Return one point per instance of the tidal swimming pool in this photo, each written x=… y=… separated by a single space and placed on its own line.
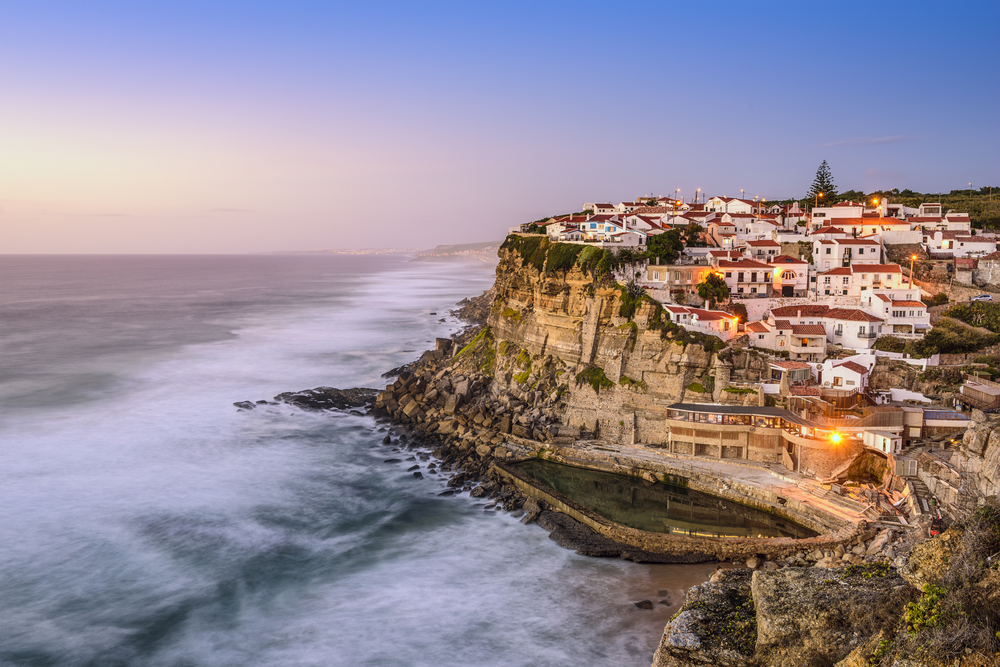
x=658 y=507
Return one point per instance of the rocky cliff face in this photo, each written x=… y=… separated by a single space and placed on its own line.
x=562 y=331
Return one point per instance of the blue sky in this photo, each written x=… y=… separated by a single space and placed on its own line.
x=235 y=127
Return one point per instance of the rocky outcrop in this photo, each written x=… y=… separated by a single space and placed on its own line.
x=782 y=618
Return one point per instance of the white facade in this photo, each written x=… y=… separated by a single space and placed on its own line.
x=883 y=441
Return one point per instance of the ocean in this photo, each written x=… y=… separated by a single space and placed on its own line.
x=147 y=521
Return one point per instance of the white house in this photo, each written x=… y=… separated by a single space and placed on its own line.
x=831 y=253
x=851 y=327
x=883 y=441
x=900 y=314
x=730 y=205
x=763 y=250
x=959 y=244
x=714 y=322
x=790 y=276
x=860 y=280
x=803 y=342
x=746 y=277
x=843 y=375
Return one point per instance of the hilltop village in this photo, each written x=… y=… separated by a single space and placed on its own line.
x=826 y=367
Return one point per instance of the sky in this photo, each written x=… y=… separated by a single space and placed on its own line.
x=231 y=127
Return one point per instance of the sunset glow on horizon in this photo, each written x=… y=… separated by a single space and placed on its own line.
x=249 y=127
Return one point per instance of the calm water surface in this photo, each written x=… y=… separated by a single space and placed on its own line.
x=147 y=522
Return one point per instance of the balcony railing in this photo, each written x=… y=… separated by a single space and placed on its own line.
x=867 y=335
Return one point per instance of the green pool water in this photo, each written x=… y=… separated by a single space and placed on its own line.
x=658 y=508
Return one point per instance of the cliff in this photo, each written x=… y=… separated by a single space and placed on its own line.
x=561 y=326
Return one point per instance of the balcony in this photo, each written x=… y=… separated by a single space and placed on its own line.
x=807 y=349
x=867 y=335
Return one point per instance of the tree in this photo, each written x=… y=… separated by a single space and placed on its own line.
x=713 y=289
x=692 y=235
x=823 y=184
x=667 y=246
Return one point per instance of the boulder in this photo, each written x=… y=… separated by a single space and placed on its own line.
x=809 y=616
x=880 y=541
x=644 y=604
x=928 y=560
x=451 y=404
x=483 y=450
x=520 y=431
x=753 y=562
x=714 y=627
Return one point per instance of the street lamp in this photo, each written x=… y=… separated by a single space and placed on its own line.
x=912 y=257
x=816 y=199
x=696 y=194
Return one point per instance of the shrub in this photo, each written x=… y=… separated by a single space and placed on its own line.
x=697 y=387
x=595 y=377
x=890 y=344
x=511 y=314
x=633 y=384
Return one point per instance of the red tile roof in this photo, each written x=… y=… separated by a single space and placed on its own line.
x=909 y=304
x=785 y=259
x=757 y=327
x=805 y=310
x=853 y=366
x=851 y=315
x=808 y=330
x=764 y=243
x=805 y=391
x=790 y=365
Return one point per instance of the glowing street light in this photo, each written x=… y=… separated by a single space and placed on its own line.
x=912 y=257
x=835 y=438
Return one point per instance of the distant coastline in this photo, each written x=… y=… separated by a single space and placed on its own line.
x=484 y=252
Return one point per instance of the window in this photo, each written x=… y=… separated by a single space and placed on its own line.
x=739 y=290
x=829 y=251
x=839 y=331
x=753 y=290
x=729 y=274
x=753 y=277
x=787 y=275
x=861 y=251
x=760 y=337
x=826 y=280
x=656 y=275
x=861 y=331
x=781 y=343
x=739 y=277
x=846 y=280
x=725 y=325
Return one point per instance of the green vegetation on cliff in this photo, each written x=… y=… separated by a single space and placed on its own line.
x=595 y=377
x=949 y=336
x=979 y=314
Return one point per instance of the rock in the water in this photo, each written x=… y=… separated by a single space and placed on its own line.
x=644 y=604
x=393 y=461
x=412 y=468
x=386 y=440
x=329 y=398
x=246 y=405
x=418 y=475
